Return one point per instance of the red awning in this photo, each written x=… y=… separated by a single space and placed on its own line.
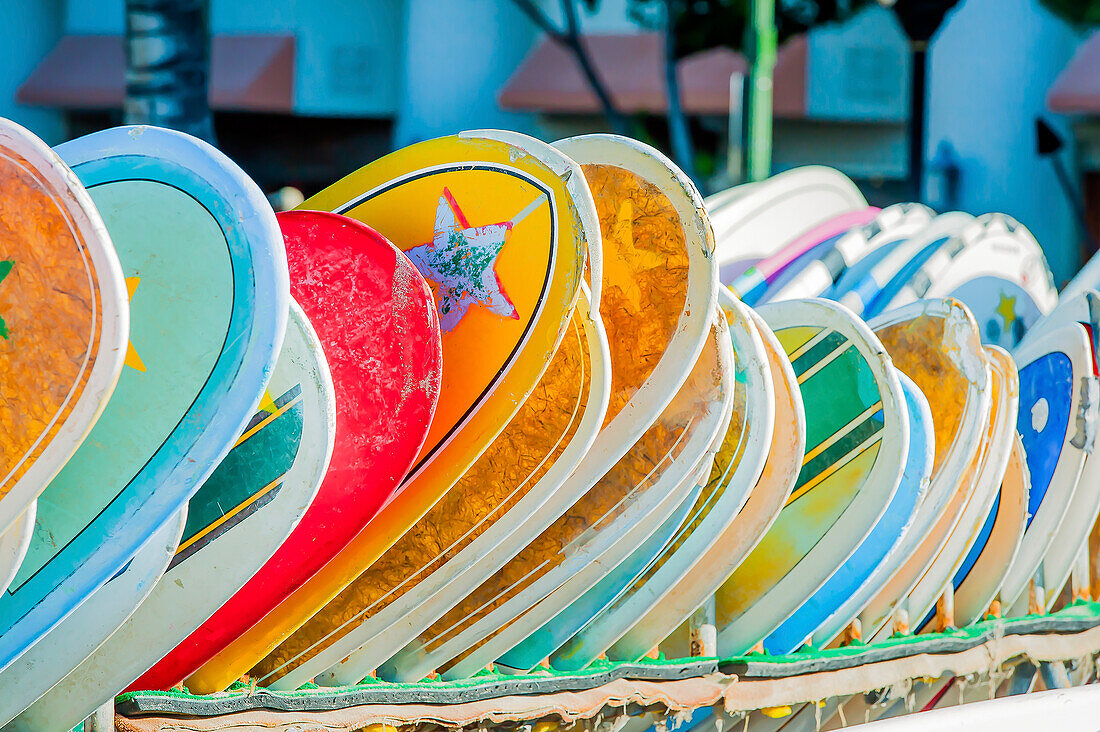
x=247 y=74
x=1077 y=88
x=632 y=67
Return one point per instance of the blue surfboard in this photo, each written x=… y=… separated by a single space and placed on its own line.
x=206 y=271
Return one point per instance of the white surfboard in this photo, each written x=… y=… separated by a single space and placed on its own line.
x=238 y=518
x=82 y=632
x=775 y=211
x=1056 y=380
x=858 y=296
x=893 y=223
x=1073 y=535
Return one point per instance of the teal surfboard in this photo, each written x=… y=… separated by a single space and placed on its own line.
x=205 y=267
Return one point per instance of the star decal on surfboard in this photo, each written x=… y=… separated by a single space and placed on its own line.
x=133 y=360
x=1006 y=308
x=461 y=261
x=5 y=270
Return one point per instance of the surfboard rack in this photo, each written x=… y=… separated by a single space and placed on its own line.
x=607 y=691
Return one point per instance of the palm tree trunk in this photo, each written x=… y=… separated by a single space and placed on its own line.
x=168 y=65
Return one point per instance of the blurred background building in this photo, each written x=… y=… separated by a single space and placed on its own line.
x=305 y=91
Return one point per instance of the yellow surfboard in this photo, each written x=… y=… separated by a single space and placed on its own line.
x=497 y=224
x=659 y=289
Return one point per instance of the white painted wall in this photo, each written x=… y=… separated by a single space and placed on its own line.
x=991 y=66
x=30 y=30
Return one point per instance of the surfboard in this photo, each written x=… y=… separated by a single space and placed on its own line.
x=236 y=521
x=14 y=544
x=375 y=319
x=500 y=234
x=1056 y=373
x=199 y=245
x=738 y=465
x=666 y=624
x=1073 y=534
x=77 y=636
x=1002 y=276
x=829 y=610
x=662 y=472
x=657 y=257
x=856 y=446
x=707 y=397
x=936 y=344
x=993 y=460
x=581 y=607
x=866 y=290
x=810 y=246
x=64 y=318
x=890 y=225
x=979 y=579
x=518 y=487
x=585 y=629
x=760 y=222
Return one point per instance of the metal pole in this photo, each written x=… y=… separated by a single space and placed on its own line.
x=917 y=120
x=103 y=720
x=761 y=46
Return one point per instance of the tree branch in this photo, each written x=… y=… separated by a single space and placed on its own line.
x=574 y=41
x=541 y=19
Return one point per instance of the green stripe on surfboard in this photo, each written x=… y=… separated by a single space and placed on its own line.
x=256 y=465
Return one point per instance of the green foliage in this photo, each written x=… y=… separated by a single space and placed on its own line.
x=1077 y=12
x=703 y=24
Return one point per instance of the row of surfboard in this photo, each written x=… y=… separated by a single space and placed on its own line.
x=489 y=401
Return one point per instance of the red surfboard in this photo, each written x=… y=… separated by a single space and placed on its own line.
x=379 y=329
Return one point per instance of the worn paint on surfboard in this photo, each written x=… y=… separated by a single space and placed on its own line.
x=499 y=233
x=376 y=322
x=1057 y=381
